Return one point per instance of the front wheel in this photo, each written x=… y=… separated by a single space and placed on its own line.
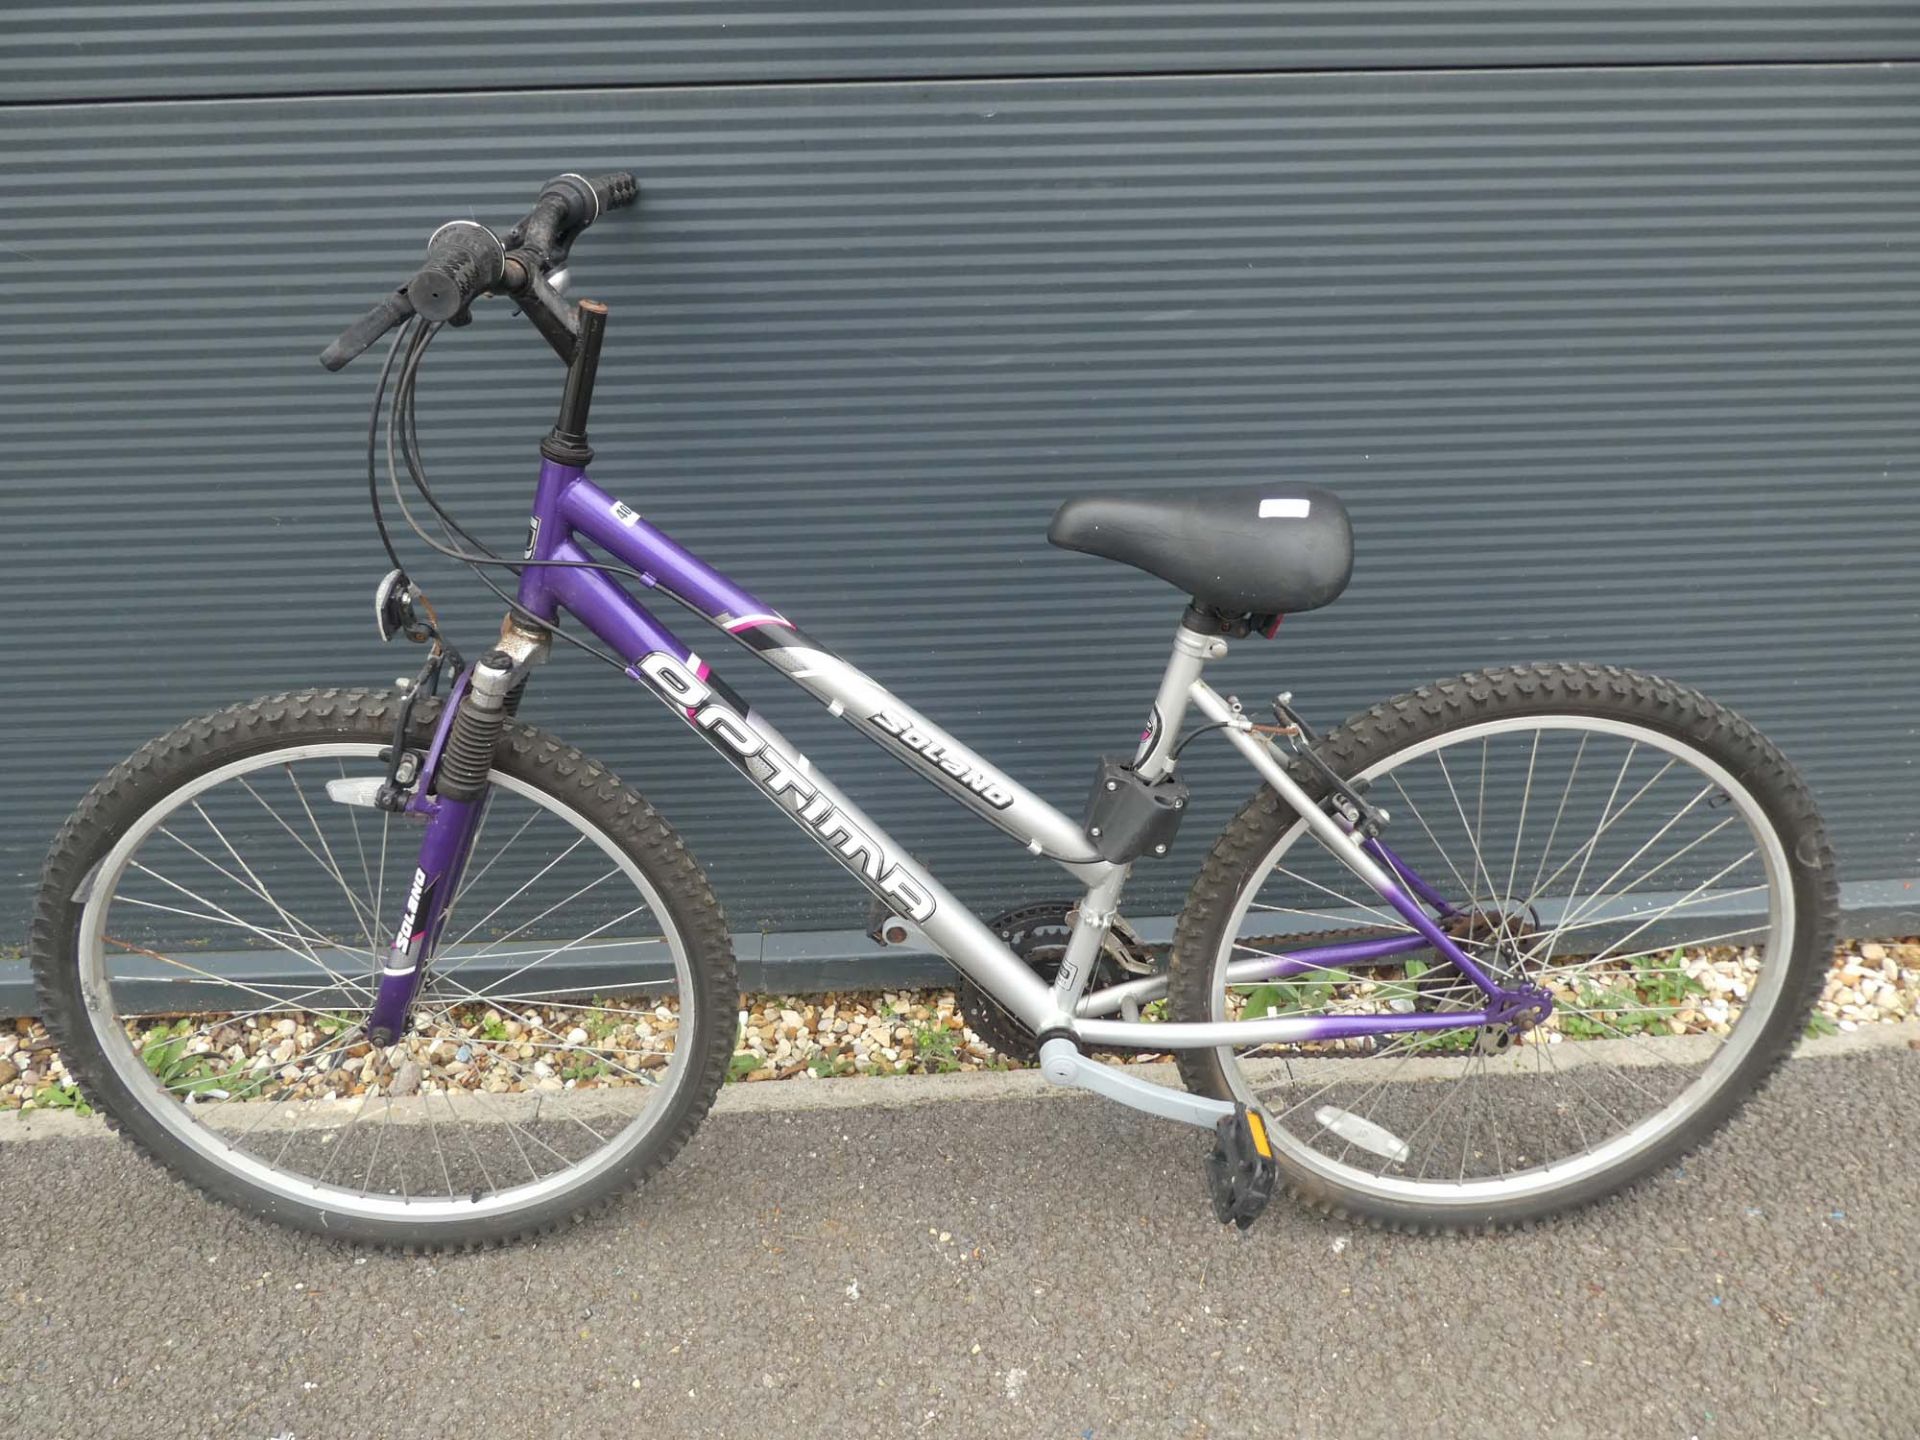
x=209 y=934
x=1641 y=852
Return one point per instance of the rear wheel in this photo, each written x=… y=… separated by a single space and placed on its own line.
x=208 y=937
x=1641 y=852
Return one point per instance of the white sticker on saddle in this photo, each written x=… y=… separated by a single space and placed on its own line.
x=1285 y=509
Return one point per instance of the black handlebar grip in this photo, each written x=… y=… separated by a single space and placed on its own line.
x=615 y=191
x=463 y=259
x=581 y=201
x=396 y=309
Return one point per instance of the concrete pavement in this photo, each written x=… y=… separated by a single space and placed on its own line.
x=995 y=1263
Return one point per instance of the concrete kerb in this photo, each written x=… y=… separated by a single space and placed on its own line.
x=983 y=1087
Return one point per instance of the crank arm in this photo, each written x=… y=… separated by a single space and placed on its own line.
x=1062 y=1064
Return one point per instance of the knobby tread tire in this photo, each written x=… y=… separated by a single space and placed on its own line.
x=274 y=722
x=1603 y=691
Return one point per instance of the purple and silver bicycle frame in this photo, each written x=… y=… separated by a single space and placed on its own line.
x=569 y=509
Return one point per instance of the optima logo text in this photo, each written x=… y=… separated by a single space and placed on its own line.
x=857 y=850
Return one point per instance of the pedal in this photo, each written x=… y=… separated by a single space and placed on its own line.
x=1241 y=1171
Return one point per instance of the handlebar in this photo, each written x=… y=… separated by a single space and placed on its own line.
x=466 y=260
x=396 y=309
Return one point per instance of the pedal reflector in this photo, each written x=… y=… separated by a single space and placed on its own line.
x=1257 y=1128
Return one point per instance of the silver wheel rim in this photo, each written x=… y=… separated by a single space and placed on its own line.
x=182 y=1124
x=1547 y=1178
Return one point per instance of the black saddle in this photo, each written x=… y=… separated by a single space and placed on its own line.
x=1259 y=550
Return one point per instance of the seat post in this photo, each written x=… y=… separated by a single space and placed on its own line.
x=1192 y=649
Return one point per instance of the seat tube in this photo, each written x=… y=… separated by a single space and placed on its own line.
x=1191 y=651
x=1093 y=918
x=1153 y=759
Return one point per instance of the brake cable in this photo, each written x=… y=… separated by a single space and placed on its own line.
x=401 y=434
x=403 y=444
x=373 y=439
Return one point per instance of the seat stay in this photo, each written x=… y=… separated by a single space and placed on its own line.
x=1344 y=844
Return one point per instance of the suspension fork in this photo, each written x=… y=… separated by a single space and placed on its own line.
x=452 y=794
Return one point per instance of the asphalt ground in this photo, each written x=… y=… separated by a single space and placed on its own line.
x=968 y=1256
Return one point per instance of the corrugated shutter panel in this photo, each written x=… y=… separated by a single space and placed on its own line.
x=1609 y=363
x=113 y=49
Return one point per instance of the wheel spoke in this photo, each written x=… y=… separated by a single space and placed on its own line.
x=331 y=869
x=524 y=885
x=1446 y=856
x=1645 y=875
x=218 y=916
x=225 y=982
x=1660 y=914
x=488 y=952
x=1559 y=813
x=1576 y=908
x=1609 y=818
x=1384 y=917
x=252 y=885
x=556 y=952
x=1520 y=828
x=360 y=912
x=1661 y=847
x=447 y=1114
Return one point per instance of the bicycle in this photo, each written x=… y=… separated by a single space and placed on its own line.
x=396 y=966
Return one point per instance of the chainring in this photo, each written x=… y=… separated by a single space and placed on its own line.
x=1038 y=934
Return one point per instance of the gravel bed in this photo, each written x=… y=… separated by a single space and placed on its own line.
x=868 y=1034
